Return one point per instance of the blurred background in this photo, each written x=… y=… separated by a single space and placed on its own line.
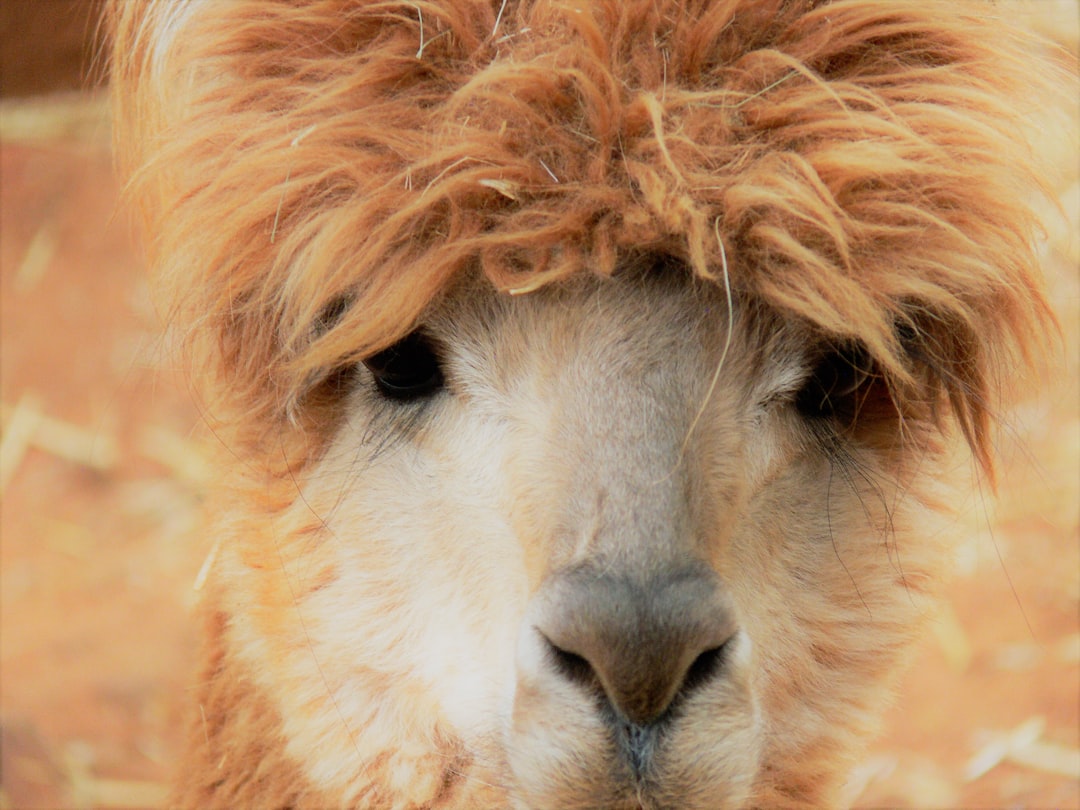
x=103 y=471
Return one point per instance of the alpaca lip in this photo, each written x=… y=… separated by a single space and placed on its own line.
x=637 y=744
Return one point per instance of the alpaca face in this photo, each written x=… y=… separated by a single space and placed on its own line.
x=661 y=576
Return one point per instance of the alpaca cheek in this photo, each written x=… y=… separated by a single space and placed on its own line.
x=467 y=609
x=837 y=617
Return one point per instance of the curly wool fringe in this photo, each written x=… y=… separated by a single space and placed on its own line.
x=860 y=163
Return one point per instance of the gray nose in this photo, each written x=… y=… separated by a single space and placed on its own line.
x=642 y=641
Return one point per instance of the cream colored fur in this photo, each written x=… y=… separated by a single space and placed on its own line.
x=712 y=288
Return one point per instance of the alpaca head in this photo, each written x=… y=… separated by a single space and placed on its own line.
x=590 y=371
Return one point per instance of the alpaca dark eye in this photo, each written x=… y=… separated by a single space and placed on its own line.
x=836 y=384
x=407 y=370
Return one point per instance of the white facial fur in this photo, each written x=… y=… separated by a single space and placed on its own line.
x=587 y=425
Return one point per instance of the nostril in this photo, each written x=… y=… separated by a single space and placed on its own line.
x=704 y=669
x=571 y=666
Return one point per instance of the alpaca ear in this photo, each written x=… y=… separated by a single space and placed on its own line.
x=330 y=315
x=954 y=371
x=964 y=369
x=331 y=379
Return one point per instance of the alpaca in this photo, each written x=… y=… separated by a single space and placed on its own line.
x=589 y=375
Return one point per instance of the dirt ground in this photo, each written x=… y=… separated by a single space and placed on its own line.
x=103 y=473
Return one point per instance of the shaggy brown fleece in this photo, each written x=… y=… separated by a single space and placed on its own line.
x=840 y=182
x=860 y=163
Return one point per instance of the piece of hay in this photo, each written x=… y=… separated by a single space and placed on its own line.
x=177 y=453
x=26 y=425
x=952 y=639
x=19 y=431
x=1003 y=745
x=39 y=254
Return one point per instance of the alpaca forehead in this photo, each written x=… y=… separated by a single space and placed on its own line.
x=663 y=341
x=613 y=322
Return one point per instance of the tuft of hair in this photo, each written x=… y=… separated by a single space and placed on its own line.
x=315 y=174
